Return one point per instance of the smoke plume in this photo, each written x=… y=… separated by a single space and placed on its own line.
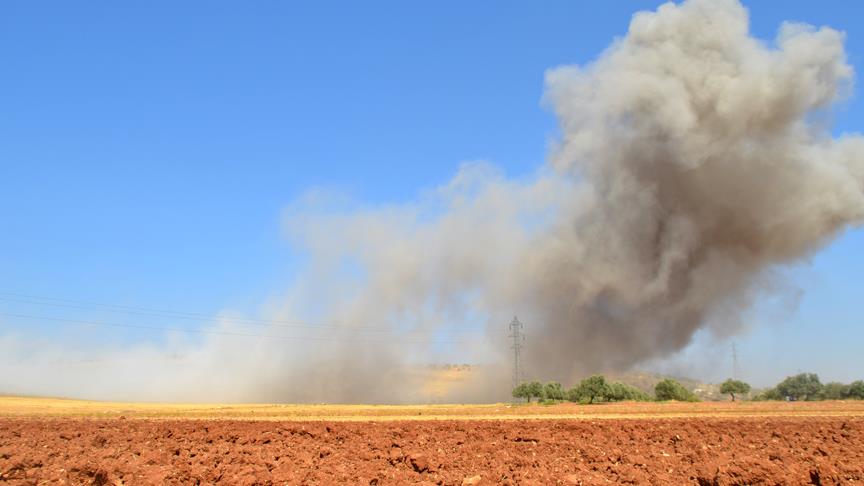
x=708 y=166
x=693 y=160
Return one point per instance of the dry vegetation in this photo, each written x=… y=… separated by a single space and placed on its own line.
x=25 y=407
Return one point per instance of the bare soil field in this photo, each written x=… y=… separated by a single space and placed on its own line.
x=643 y=451
x=671 y=443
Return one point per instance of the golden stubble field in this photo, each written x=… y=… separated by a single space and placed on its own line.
x=24 y=407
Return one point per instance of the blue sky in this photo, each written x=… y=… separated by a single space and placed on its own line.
x=148 y=149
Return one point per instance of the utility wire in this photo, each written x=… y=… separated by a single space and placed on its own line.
x=225 y=333
x=151 y=312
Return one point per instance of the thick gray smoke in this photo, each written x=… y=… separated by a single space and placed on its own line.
x=708 y=166
x=693 y=160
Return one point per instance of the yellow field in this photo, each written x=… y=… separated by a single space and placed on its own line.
x=23 y=407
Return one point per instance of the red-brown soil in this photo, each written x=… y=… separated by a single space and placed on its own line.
x=777 y=450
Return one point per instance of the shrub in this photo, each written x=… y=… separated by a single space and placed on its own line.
x=670 y=389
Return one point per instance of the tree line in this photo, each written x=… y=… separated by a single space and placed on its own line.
x=595 y=389
x=806 y=386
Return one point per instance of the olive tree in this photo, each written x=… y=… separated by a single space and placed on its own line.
x=731 y=387
x=529 y=390
x=590 y=390
x=553 y=391
x=521 y=391
x=535 y=390
x=804 y=386
x=619 y=392
x=670 y=389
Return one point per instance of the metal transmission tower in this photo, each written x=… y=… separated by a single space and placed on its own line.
x=518 y=339
x=736 y=367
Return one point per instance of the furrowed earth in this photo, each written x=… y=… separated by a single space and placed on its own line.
x=75 y=442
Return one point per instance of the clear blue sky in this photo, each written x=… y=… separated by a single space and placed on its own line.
x=147 y=149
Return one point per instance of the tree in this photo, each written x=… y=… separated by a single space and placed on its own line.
x=804 y=386
x=591 y=389
x=553 y=391
x=835 y=391
x=574 y=394
x=535 y=389
x=530 y=390
x=670 y=389
x=619 y=392
x=856 y=390
x=732 y=387
x=521 y=391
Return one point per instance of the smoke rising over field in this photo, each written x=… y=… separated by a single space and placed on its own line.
x=693 y=160
x=707 y=166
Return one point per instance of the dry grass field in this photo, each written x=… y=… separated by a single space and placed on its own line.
x=23 y=407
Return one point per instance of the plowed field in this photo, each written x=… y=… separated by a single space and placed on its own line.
x=690 y=450
x=705 y=451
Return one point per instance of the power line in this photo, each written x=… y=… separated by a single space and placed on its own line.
x=736 y=367
x=226 y=333
x=194 y=316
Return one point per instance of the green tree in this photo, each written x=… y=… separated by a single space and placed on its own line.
x=535 y=389
x=553 y=391
x=804 y=386
x=619 y=392
x=731 y=387
x=521 y=391
x=835 y=391
x=530 y=390
x=670 y=389
x=591 y=389
x=856 y=390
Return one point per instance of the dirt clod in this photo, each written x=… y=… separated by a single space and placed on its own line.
x=419 y=462
x=472 y=481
